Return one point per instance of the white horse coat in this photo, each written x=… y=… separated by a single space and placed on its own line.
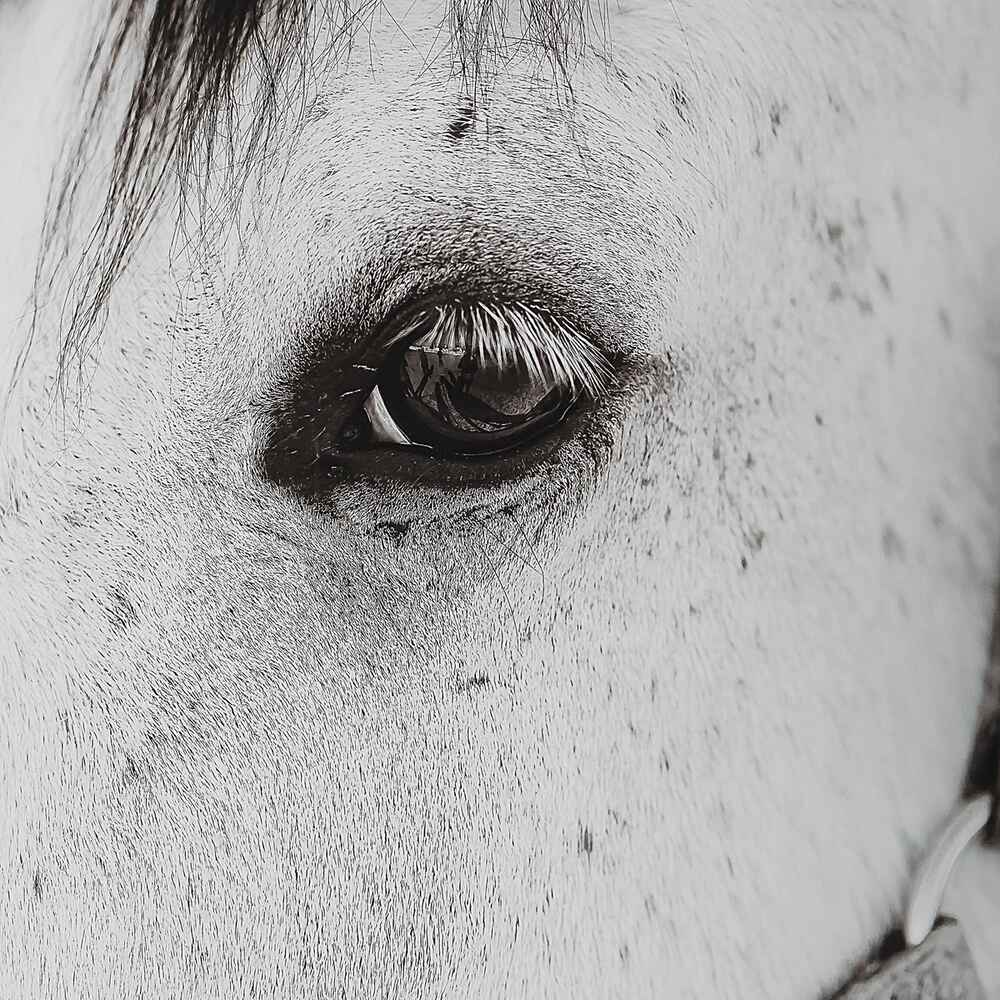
x=669 y=710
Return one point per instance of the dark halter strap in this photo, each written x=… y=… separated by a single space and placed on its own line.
x=938 y=969
x=934 y=962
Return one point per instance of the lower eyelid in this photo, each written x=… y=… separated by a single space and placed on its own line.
x=569 y=454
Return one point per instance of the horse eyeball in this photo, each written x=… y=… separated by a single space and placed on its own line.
x=476 y=381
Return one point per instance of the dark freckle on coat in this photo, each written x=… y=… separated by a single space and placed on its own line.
x=900 y=206
x=679 y=99
x=835 y=232
x=664 y=762
x=464 y=119
x=396 y=531
x=36 y=884
x=749 y=461
x=585 y=842
x=743 y=562
x=623 y=953
x=892 y=544
x=129 y=773
x=836 y=293
x=883 y=280
x=818 y=417
x=864 y=305
x=624 y=79
x=755 y=538
x=944 y=321
x=776 y=114
x=685 y=227
x=120 y=611
x=472 y=682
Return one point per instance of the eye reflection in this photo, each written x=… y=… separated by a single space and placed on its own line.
x=475 y=381
x=471 y=395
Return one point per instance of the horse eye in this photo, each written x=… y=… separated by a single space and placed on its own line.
x=474 y=382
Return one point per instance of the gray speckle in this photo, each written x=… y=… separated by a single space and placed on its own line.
x=892 y=544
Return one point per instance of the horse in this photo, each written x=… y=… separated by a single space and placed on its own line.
x=495 y=500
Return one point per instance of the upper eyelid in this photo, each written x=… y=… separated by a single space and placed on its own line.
x=437 y=261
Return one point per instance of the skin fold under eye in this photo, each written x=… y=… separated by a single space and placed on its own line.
x=474 y=380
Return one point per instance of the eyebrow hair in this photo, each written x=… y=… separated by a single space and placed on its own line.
x=192 y=52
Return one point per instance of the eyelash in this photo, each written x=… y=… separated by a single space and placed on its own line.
x=513 y=335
